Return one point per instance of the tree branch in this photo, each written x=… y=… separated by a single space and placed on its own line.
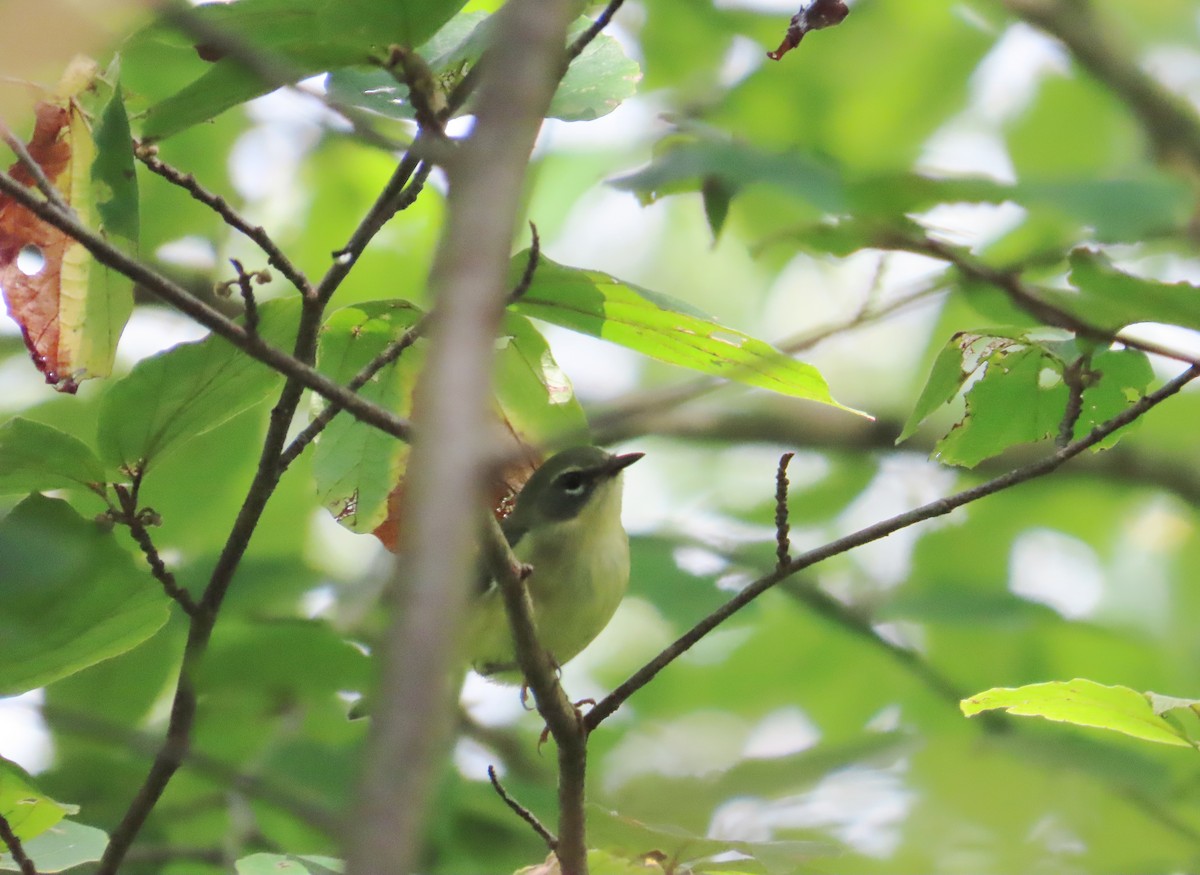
x=15 y=848
x=879 y=530
x=1169 y=121
x=216 y=322
x=231 y=217
x=445 y=474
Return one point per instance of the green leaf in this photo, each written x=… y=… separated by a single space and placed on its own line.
x=534 y=395
x=34 y=457
x=355 y=465
x=597 y=81
x=945 y=379
x=304 y=37
x=72 y=597
x=28 y=811
x=288 y=864
x=1008 y=405
x=687 y=163
x=1110 y=299
x=1084 y=703
x=191 y=388
x=65 y=845
x=113 y=176
x=1123 y=375
x=597 y=304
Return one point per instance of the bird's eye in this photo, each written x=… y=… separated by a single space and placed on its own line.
x=571 y=482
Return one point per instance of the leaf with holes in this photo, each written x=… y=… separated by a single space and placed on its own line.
x=29 y=812
x=357 y=466
x=71 y=310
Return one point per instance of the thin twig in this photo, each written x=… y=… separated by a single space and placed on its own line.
x=276 y=257
x=410 y=70
x=44 y=185
x=875 y=532
x=521 y=811
x=1023 y=295
x=783 y=545
x=136 y=520
x=410 y=168
x=531 y=264
x=1074 y=376
x=15 y=848
x=582 y=41
x=205 y=315
x=244 y=281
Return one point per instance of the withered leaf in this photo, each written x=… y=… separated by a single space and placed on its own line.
x=812 y=16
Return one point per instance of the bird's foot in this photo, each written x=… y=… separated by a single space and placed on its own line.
x=579 y=717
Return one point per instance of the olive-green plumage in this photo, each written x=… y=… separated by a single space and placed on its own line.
x=567 y=526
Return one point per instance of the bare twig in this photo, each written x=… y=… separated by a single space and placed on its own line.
x=582 y=41
x=1074 y=376
x=783 y=545
x=521 y=811
x=15 y=848
x=874 y=532
x=137 y=519
x=245 y=283
x=535 y=254
x=276 y=257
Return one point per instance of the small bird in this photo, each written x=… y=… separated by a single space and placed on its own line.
x=567 y=526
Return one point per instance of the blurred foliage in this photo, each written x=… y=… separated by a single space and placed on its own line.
x=867 y=202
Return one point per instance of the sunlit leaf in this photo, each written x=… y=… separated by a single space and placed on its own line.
x=595 y=303
x=1084 y=703
x=52 y=626
x=597 y=81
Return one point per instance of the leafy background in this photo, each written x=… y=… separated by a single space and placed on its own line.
x=819 y=730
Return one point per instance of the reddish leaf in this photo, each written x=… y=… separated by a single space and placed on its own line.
x=31 y=251
x=813 y=16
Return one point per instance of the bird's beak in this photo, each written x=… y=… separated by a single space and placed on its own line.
x=619 y=463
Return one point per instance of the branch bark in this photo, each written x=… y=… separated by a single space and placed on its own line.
x=411 y=727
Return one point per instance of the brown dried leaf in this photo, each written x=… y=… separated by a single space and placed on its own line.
x=32 y=252
x=812 y=16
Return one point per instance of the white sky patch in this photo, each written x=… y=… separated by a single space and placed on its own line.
x=904 y=482
x=1056 y=570
x=698 y=743
x=24 y=738
x=784 y=731
x=153 y=329
x=191 y=252
x=863 y=807
x=1007 y=79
